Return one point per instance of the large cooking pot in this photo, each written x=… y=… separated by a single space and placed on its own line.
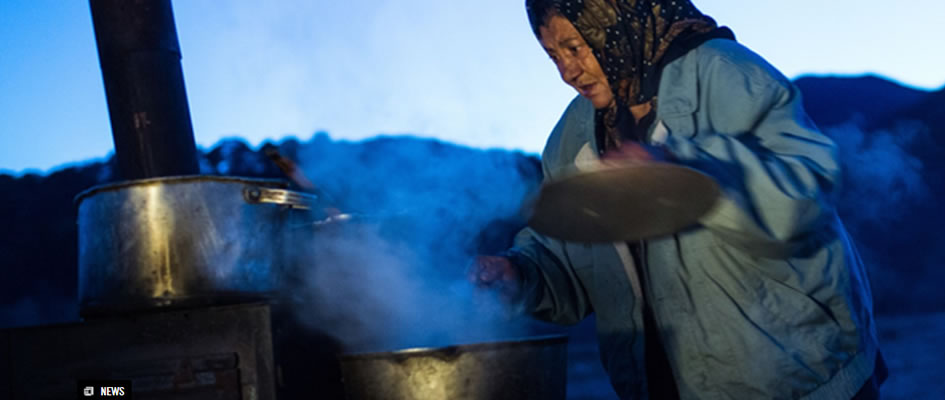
x=181 y=242
x=534 y=368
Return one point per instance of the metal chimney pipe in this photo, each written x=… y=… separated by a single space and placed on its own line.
x=144 y=85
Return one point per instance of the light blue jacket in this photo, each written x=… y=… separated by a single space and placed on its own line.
x=764 y=298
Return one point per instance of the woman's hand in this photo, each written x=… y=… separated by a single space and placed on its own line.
x=633 y=152
x=495 y=272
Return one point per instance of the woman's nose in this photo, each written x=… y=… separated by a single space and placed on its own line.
x=569 y=68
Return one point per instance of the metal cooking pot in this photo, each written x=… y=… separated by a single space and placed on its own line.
x=534 y=368
x=181 y=242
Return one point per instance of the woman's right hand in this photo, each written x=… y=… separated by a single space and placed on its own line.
x=495 y=272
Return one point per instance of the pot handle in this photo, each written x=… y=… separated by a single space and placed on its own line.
x=283 y=197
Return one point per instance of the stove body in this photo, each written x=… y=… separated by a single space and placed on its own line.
x=252 y=351
x=210 y=353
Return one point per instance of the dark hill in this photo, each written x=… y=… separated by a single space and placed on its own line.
x=866 y=99
x=929 y=113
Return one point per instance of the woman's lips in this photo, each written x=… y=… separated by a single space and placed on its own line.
x=586 y=89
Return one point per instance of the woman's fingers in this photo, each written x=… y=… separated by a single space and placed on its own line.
x=494 y=272
x=632 y=152
x=488 y=269
x=628 y=151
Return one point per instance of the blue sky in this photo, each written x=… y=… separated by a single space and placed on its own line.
x=465 y=72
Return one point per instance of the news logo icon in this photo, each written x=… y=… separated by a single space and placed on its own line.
x=104 y=389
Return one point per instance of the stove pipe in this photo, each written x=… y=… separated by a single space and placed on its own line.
x=144 y=85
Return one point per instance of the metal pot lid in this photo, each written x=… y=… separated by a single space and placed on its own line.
x=623 y=202
x=183 y=179
x=458 y=348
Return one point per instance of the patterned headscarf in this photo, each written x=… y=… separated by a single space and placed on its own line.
x=632 y=40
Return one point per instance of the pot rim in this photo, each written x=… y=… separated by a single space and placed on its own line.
x=92 y=191
x=453 y=349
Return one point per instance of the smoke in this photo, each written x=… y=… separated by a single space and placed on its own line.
x=394 y=275
x=881 y=176
x=887 y=200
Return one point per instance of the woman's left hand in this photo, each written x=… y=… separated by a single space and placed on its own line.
x=633 y=152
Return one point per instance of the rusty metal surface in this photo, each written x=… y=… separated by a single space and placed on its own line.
x=623 y=203
x=177 y=242
x=213 y=353
x=514 y=370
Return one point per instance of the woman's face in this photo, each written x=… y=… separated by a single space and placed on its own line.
x=575 y=61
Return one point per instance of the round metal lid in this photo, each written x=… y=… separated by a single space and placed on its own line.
x=623 y=202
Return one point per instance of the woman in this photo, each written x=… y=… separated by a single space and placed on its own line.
x=765 y=297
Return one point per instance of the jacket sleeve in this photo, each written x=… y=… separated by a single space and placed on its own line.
x=552 y=289
x=776 y=170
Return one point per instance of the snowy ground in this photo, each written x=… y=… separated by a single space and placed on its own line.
x=913 y=345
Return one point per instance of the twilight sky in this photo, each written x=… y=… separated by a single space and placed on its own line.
x=466 y=72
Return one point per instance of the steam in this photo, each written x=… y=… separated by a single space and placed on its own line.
x=881 y=176
x=372 y=294
x=886 y=200
x=394 y=276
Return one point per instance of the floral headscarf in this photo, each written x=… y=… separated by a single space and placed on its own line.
x=632 y=40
